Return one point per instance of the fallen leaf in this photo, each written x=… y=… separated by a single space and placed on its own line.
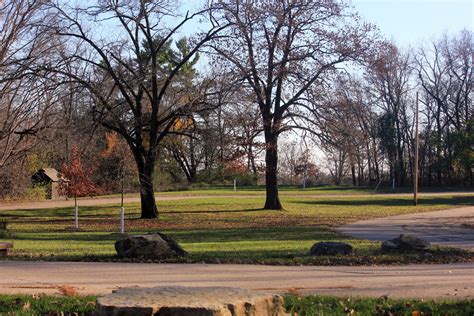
x=294 y=291
x=384 y=297
x=26 y=307
x=67 y=290
x=91 y=303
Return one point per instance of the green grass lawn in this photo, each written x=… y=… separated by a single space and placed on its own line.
x=295 y=305
x=223 y=229
x=47 y=305
x=283 y=190
x=295 y=191
x=335 y=306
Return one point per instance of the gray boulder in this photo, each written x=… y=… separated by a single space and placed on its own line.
x=151 y=246
x=405 y=242
x=388 y=246
x=329 y=248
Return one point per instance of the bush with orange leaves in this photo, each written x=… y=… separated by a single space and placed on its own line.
x=79 y=177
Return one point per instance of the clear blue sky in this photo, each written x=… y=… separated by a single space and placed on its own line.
x=409 y=22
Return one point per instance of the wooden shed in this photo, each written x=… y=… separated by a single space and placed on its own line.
x=50 y=178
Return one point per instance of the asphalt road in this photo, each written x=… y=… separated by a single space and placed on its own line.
x=454 y=227
x=422 y=281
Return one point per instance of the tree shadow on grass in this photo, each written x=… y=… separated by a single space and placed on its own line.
x=249 y=210
x=254 y=234
x=454 y=200
x=65 y=216
x=199 y=236
x=68 y=237
x=338 y=188
x=90 y=219
x=64 y=211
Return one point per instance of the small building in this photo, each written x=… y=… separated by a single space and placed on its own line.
x=50 y=178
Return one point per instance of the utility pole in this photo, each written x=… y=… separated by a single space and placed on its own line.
x=415 y=178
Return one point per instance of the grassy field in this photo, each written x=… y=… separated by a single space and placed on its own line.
x=296 y=305
x=223 y=229
x=296 y=191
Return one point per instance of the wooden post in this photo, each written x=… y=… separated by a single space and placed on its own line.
x=415 y=178
x=304 y=178
x=122 y=210
x=121 y=196
x=122 y=220
x=76 y=212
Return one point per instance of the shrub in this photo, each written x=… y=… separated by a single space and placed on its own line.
x=36 y=193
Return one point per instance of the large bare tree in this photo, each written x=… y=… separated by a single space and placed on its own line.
x=125 y=52
x=24 y=99
x=389 y=77
x=445 y=72
x=280 y=49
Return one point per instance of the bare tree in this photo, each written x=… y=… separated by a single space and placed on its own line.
x=243 y=120
x=280 y=49
x=389 y=75
x=445 y=72
x=132 y=74
x=347 y=124
x=24 y=98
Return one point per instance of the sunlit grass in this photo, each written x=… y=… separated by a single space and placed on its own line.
x=294 y=304
x=330 y=305
x=221 y=229
x=328 y=190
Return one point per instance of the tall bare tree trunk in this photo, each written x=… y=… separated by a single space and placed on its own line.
x=147 y=192
x=272 y=201
x=353 y=172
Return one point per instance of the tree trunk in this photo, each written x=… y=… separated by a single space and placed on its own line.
x=353 y=172
x=369 y=167
x=147 y=193
x=192 y=165
x=471 y=178
x=272 y=201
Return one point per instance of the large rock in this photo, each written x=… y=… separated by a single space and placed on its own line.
x=405 y=242
x=329 y=248
x=388 y=246
x=190 y=301
x=151 y=246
